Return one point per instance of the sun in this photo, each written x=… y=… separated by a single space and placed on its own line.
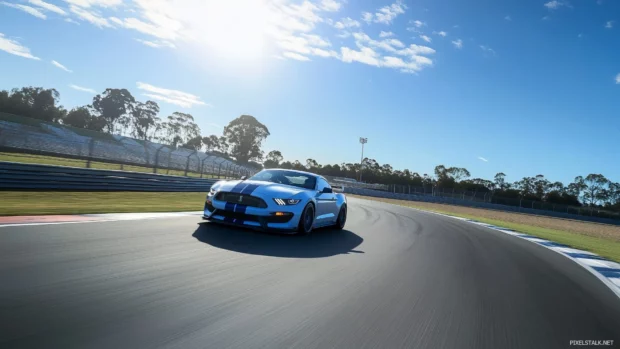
x=234 y=29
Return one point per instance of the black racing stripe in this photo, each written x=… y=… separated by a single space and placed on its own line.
x=239 y=187
x=249 y=189
x=240 y=208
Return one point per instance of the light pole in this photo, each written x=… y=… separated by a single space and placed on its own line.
x=363 y=141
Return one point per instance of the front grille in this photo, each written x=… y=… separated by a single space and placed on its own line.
x=253 y=218
x=243 y=199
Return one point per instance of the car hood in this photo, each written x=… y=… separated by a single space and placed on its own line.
x=259 y=188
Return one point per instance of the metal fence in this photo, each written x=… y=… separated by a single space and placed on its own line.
x=18 y=176
x=488 y=197
x=32 y=136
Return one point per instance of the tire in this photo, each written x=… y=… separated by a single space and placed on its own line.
x=342 y=218
x=306 y=220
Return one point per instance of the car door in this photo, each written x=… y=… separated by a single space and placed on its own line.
x=326 y=203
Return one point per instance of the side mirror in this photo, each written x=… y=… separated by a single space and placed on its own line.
x=327 y=190
x=243 y=178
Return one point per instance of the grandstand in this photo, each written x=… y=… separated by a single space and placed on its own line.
x=26 y=135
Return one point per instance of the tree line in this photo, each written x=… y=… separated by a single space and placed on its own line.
x=116 y=111
x=593 y=190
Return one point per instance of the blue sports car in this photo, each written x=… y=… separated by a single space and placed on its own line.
x=275 y=199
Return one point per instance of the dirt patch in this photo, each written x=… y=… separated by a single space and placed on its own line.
x=599 y=230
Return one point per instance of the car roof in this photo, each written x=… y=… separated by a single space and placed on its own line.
x=295 y=171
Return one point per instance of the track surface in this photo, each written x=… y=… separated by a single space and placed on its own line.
x=394 y=278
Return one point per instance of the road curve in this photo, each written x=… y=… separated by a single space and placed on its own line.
x=395 y=278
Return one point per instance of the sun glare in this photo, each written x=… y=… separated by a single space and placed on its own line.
x=235 y=28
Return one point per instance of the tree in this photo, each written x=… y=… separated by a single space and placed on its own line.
x=180 y=129
x=144 y=120
x=500 y=181
x=273 y=159
x=34 y=102
x=595 y=189
x=113 y=106
x=245 y=135
x=458 y=173
x=81 y=117
x=312 y=165
x=193 y=144
x=211 y=143
x=224 y=147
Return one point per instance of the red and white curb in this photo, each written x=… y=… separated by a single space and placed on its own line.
x=16 y=221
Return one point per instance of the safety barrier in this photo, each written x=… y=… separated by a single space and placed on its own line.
x=18 y=176
x=476 y=204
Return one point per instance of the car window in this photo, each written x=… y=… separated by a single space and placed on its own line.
x=322 y=184
x=292 y=178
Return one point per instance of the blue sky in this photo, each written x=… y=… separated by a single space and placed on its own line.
x=523 y=87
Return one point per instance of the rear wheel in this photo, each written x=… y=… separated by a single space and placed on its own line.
x=306 y=220
x=342 y=218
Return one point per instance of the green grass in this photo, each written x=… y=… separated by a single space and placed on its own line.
x=19 y=203
x=57 y=161
x=603 y=247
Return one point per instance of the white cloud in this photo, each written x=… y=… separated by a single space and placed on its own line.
x=330 y=5
x=182 y=99
x=366 y=55
x=545 y=18
x=83 y=89
x=487 y=50
x=15 y=48
x=618 y=79
x=48 y=7
x=298 y=47
x=90 y=16
x=458 y=43
x=346 y=23
x=373 y=52
x=418 y=23
x=554 y=5
x=426 y=38
x=441 y=33
x=94 y=3
x=482 y=159
x=508 y=18
x=156 y=43
x=609 y=24
x=28 y=9
x=295 y=56
x=343 y=35
x=385 y=34
x=367 y=17
x=58 y=65
x=386 y=14
x=70 y=20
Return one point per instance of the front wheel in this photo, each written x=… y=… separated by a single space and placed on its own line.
x=342 y=218
x=306 y=220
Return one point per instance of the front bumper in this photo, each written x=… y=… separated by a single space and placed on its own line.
x=250 y=217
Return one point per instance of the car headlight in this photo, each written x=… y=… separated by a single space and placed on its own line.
x=285 y=202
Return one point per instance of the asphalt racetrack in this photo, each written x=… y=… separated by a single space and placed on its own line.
x=395 y=278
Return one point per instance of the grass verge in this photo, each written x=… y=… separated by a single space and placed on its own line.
x=57 y=161
x=605 y=247
x=19 y=203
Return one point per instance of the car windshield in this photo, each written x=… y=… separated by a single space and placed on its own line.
x=295 y=179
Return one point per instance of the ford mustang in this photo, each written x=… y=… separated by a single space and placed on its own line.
x=275 y=199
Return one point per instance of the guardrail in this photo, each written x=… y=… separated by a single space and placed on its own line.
x=476 y=204
x=18 y=176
